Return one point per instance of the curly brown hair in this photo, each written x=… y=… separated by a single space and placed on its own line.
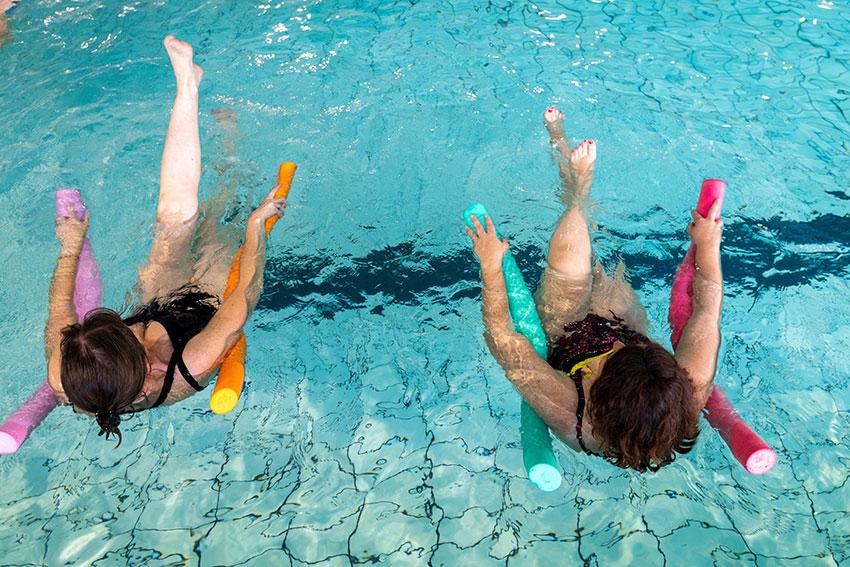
x=643 y=408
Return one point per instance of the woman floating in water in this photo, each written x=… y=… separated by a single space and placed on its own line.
x=628 y=399
x=105 y=366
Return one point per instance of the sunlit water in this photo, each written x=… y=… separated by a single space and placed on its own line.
x=375 y=426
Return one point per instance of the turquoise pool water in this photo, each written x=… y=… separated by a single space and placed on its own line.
x=375 y=426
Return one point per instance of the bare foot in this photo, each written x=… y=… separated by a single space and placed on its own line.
x=187 y=73
x=554 y=121
x=582 y=160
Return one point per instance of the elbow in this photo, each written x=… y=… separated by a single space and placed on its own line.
x=708 y=297
x=230 y=340
x=520 y=381
x=491 y=343
x=702 y=393
x=237 y=326
x=498 y=342
x=706 y=314
x=250 y=296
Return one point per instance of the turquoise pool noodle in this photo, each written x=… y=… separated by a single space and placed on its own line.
x=537 y=454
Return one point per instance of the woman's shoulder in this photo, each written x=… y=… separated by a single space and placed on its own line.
x=54 y=376
x=566 y=432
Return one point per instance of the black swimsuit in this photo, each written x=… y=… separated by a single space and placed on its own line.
x=583 y=341
x=184 y=313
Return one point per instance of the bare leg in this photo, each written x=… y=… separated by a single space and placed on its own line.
x=554 y=121
x=216 y=244
x=565 y=288
x=180 y=175
x=569 y=248
x=564 y=292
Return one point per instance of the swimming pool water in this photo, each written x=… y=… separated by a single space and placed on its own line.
x=375 y=426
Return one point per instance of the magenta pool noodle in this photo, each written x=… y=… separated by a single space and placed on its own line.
x=747 y=447
x=87 y=293
x=683 y=283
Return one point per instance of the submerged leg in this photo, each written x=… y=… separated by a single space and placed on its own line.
x=216 y=244
x=554 y=121
x=614 y=296
x=168 y=266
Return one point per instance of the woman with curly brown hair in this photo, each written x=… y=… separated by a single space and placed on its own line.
x=627 y=398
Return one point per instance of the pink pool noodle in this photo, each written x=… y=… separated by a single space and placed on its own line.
x=746 y=445
x=87 y=292
x=88 y=288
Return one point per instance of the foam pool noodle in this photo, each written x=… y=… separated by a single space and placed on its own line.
x=87 y=293
x=231 y=374
x=537 y=454
x=747 y=447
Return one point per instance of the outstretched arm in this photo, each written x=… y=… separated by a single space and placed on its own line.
x=71 y=233
x=61 y=312
x=541 y=386
x=205 y=351
x=700 y=342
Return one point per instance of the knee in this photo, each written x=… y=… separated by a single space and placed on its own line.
x=177 y=215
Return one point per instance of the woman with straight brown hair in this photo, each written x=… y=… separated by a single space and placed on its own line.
x=172 y=345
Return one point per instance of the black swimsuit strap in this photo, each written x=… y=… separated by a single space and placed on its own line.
x=176 y=361
x=187 y=376
x=576 y=378
x=169 y=377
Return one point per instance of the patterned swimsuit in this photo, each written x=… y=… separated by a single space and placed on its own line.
x=582 y=342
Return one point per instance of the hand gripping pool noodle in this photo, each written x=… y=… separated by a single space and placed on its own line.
x=87 y=293
x=231 y=374
x=537 y=454
x=746 y=445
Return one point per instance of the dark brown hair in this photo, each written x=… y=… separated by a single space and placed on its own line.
x=643 y=408
x=103 y=368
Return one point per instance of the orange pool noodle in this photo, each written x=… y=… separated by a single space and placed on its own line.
x=231 y=374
